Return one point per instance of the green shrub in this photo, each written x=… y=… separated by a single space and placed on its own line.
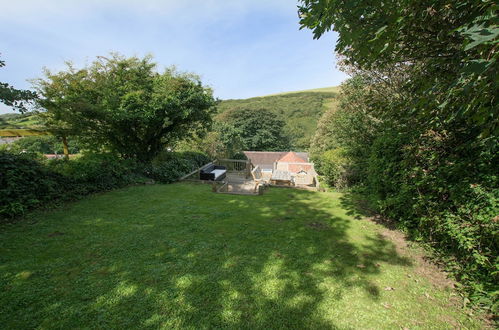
x=96 y=172
x=168 y=166
x=332 y=165
x=445 y=194
x=26 y=183
x=44 y=144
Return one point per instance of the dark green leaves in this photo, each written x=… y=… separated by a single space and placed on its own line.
x=124 y=105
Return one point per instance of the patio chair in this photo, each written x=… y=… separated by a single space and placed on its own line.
x=256 y=173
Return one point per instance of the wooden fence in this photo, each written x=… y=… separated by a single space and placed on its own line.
x=239 y=166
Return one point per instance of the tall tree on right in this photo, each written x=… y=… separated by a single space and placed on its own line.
x=419 y=122
x=451 y=47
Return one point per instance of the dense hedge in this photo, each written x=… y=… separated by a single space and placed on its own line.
x=25 y=183
x=439 y=184
x=28 y=182
x=170 y=166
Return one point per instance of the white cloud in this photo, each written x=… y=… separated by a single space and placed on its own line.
x=241 y=47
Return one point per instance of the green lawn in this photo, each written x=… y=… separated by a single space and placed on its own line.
x=180 y=256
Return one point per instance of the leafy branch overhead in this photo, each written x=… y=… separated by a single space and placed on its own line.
x=16 y=98
x=451 y=46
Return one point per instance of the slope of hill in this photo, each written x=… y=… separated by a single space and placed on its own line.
x=19 y=121
x=300 y=110
x=332 y=89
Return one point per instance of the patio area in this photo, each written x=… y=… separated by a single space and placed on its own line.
x=243 y=177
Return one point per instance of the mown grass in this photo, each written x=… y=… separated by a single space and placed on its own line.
x=179 y=256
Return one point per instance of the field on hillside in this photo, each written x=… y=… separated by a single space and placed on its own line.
x=333 y=89
x=300 y=111
x=180 y=256
x=19 y=121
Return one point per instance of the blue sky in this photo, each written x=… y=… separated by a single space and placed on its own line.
x=241 y=48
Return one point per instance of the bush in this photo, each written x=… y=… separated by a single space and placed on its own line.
x=168 y=166
x=44 y=144
x=26 y=183
x=445 y=193
x=332 y=165
x=96 y=172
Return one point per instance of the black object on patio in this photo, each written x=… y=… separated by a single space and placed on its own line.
x=213 y=173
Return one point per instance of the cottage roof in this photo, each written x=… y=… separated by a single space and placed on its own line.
x=292 y=157
x=268 y=158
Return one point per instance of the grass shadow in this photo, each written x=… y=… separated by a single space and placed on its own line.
x=178 y=256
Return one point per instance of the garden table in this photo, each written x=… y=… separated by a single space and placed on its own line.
x=280 y=177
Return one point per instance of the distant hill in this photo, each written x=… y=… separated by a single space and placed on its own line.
x=19 y=121
x=333 y=89
x=300 y=109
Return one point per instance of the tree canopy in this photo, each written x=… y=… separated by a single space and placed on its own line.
x=451 y=48
x=260 y=129
x=416 y=129
x=124 y=105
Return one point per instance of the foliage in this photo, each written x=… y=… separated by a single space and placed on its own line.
x=332 y=165
x=426 y=179
x=300 y=112
x=29 y=182
x=451 y=47
x=26 y=183
x=91 y=172
x=168 y=166
x=179 y=256
x=123 y=105
x=259 y=129
x=421 y=125
x=16 y=98
x=44 y=144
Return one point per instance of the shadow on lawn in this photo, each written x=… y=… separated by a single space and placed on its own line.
x=358 y=207
x=271 y=261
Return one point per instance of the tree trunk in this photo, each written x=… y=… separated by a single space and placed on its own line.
x=65 y=146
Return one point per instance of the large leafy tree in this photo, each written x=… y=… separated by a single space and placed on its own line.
x=451 y=47
x=419 y=120
x=259 y=129
x=124 y=105
x=426 y=97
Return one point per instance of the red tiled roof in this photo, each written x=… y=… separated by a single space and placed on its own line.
x=295 y=168
x=292 y=157
x=265 y=159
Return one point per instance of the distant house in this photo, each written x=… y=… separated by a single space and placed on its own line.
x=296 y=163
x=293 y=163
x=267 y=160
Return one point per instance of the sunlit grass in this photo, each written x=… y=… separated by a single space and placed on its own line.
x=179 y=256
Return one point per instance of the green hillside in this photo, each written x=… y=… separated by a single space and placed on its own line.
x=19 y=121
x=333 y=89
x=300 y=110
